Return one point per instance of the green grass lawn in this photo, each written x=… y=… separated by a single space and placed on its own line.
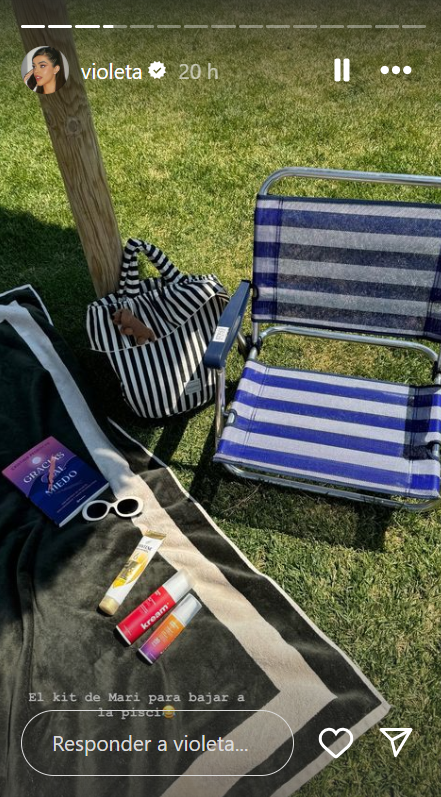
x=184 y=161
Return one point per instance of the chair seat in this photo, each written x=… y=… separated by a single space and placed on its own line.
x=359 y=433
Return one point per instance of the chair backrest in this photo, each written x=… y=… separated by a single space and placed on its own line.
x=351 y=265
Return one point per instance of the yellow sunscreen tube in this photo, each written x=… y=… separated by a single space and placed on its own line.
x=132 y=570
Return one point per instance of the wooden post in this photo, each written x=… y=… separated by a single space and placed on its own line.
x=69 y=121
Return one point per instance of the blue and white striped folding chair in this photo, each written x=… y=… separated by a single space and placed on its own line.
x=331 y=269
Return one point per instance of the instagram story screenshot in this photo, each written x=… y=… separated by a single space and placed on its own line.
x=220 y=398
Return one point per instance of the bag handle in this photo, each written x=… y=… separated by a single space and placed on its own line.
x=129 y=279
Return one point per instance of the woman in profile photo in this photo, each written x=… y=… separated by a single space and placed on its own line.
x=47 y=73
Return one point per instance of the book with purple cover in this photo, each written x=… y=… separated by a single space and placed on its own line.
x=55 y=479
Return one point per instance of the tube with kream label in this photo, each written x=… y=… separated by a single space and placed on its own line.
x=154 y=607
x=132 y=570
x=169 y=629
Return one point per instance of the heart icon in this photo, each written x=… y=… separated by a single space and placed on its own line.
x=336 y=732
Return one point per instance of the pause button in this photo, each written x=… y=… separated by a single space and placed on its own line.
x=338 y=70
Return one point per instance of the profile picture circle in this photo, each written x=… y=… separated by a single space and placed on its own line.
x=44 y=69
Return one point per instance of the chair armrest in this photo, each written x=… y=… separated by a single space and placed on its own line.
x=228 y=327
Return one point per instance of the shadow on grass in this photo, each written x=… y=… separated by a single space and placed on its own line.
x=51 y=259
x=295 y=513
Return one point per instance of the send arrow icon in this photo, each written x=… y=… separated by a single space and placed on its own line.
x=395 y=735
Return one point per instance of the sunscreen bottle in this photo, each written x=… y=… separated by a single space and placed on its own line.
x=169 y=629
x=154 y=607
x=127 y=578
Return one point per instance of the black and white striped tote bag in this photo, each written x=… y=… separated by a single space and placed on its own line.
x=167 y=376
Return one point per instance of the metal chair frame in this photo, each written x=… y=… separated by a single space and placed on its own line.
x=217 y=352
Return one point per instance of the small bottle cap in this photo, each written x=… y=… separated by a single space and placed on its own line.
x=122 y=634
x=186 y=609
x=178 y=585
x=144 y=655
x=109 y=605
x=153 y=534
